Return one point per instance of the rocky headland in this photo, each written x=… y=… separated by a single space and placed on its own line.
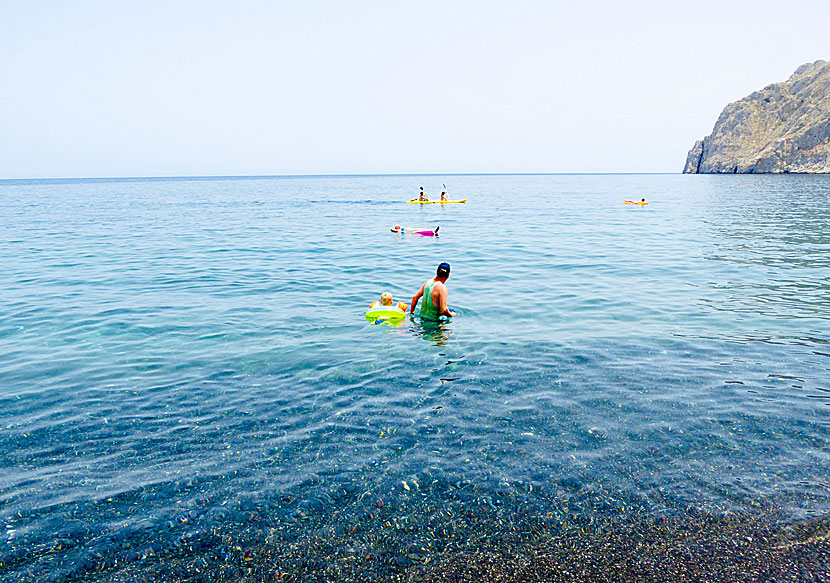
x=783 y=128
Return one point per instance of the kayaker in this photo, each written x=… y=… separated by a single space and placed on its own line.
x=434 y=294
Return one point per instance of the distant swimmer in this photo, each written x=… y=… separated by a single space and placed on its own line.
x=421 y=232
x=434 y=294
x=387 y=301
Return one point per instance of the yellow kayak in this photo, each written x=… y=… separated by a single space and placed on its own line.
x=416 y=201
x=631 y=202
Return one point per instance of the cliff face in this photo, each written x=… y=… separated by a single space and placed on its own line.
x=783 y=128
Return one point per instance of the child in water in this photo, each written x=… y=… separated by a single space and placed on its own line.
x=387 y=301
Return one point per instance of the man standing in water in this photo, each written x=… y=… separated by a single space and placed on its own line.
x=434 y=293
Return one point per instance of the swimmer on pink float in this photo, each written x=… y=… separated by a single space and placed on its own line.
x=421 y=232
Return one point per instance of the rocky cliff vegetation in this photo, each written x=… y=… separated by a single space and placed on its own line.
x=784 y=128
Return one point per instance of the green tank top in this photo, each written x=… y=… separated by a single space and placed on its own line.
x=428 y=309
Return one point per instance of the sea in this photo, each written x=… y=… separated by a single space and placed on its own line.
x=190 y=389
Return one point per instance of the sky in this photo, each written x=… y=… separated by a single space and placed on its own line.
x=250 y=87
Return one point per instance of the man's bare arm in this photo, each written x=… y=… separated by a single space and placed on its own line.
x=442 y=302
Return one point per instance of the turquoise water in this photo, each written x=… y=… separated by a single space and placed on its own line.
x=187 y=358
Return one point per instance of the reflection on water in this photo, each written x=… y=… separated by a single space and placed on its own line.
x=437 y=332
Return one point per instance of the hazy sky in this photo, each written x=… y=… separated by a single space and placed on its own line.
x=162 y=88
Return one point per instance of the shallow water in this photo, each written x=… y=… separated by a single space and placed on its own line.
x=189 y=356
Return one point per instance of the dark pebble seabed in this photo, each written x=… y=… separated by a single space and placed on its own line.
x=371 y=540
x=429 y=529
x=497 y=546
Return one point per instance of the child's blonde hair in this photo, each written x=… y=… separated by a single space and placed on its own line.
x=386 y=299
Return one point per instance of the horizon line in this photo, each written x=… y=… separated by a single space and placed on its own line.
x=338 y=175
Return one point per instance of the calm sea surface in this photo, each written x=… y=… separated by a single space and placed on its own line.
x=185 y=364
